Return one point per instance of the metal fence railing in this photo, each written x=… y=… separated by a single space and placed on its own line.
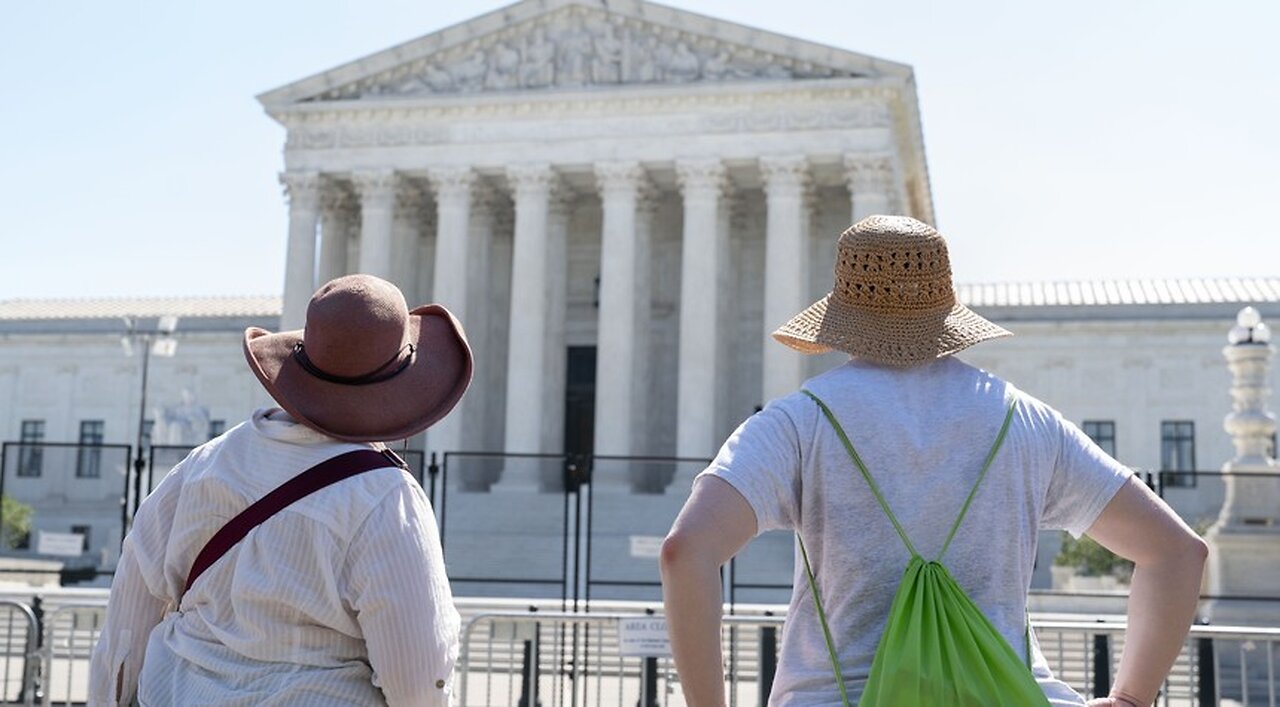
x=575 y=660
x=70 y=633
x=619 y=656
x=21 y=659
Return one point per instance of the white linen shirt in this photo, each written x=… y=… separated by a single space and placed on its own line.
x=339 y=599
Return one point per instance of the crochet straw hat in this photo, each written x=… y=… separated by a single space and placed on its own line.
x=366 y=368
x=893 y=302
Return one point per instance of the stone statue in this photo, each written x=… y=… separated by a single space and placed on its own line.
x=504 y=68
x=684 y=65
x=643 y=50
x=575 y=52
x=437 y=79
x=716 y=67
x=469 y=74
x=606 y=61
x=538 y=68
x=183 y=425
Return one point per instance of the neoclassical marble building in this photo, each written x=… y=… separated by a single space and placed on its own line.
x=612 y=183
x=620 y=200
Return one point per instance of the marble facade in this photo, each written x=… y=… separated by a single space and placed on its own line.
x=656 y=184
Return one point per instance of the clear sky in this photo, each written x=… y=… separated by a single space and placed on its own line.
x=1084 y=140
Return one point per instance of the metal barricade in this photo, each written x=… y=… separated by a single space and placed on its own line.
x=21 y=653
x=546 y=659
x=70 y=633
x=534 y=658
x=1217 y=663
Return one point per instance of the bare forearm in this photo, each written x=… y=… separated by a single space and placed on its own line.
x=691 y=595
x=1162 y=604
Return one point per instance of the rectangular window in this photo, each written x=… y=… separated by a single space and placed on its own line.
x=1178 y=452
x=31 y=458
x=1103 y=434
x=216 y=428
x=89 y=455
x=82 y=530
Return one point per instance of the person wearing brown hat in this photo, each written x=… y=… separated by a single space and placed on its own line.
x=294 y=560
x=902 y=453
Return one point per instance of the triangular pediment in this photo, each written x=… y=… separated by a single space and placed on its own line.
x=544 y=45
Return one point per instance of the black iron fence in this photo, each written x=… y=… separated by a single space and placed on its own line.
x=541 y=526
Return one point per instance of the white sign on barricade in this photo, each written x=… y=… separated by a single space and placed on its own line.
x=646 y=546
x=65 y=544
x=643 y=637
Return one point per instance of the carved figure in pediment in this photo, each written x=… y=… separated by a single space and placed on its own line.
x=642 y=58
x=575 y=53
x=716 y=67
x=683 y=65
x=774 y=71
x=538 y=68
x=437 y=79
x=504 y=68
x=606 y=61
x=663 y=53
x=468 y=74
x=409 y=85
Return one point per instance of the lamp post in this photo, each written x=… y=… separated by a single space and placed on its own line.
x=160 y=342
x=1244 y=544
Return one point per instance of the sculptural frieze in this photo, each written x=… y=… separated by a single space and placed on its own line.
x=580 y=49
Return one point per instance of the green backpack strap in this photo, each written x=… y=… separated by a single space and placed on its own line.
x=822 y=618
x=857 y=460
x=986 y=466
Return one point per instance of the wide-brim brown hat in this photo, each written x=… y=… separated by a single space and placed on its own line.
x=893 y=302
x=365 y=368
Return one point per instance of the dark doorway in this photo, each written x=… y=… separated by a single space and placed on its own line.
x=580 y=401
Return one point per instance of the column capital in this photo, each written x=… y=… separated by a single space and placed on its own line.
x=452 y=182
x=376 y=187
x=702 y=178
x=620 y=178
x=301 y=188
x=336 y=198
x=531 y=179
x=561 y=199
x=869 y=172
x=409 y=197
x=785 y=173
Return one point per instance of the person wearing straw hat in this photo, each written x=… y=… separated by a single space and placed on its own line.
x=294 y=560
x=888 y=459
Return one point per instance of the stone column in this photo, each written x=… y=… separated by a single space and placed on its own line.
x=1244 y=557
x=703 y=184
x=406 y=225
x=453 y=188
x=424 y=261
x=871 y=178
x=377 y=189
x=624 y=274
x=559 y=210
x=337 y=223
x=302 y=189
x=527 y=353
x=786 y=271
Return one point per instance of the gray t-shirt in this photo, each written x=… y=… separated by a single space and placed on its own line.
x=923 y=433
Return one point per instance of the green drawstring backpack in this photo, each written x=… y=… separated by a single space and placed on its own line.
x=937 y=649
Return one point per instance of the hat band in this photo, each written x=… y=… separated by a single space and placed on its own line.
x=377 y=375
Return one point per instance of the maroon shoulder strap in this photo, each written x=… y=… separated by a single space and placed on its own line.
x=329 y=471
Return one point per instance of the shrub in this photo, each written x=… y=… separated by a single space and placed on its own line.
x=1091 y=559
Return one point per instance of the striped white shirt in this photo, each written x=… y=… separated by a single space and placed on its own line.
x=340 y=599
